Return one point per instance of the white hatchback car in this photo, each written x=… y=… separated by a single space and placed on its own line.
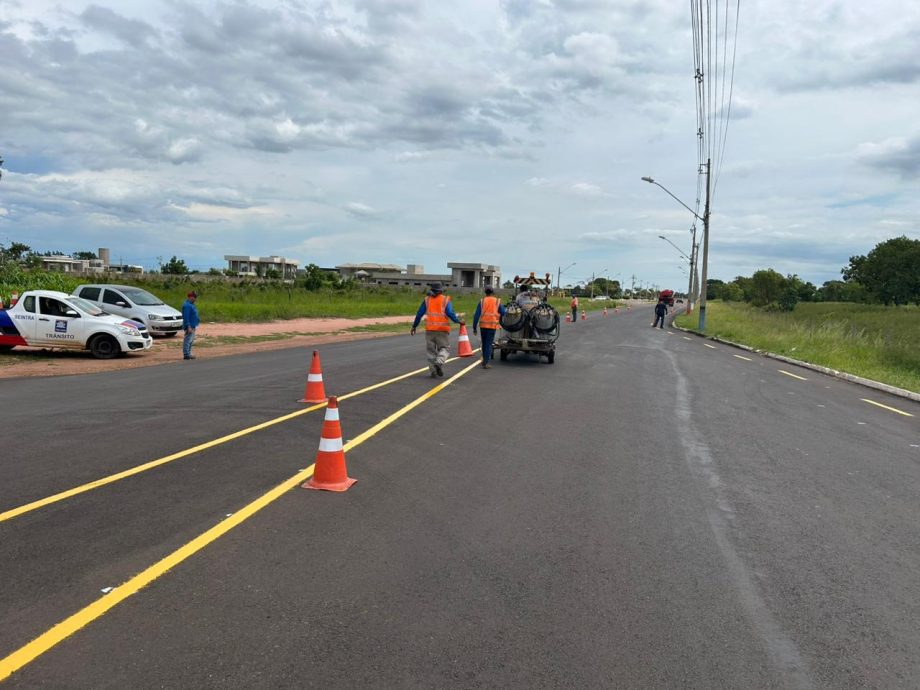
x=135 y=304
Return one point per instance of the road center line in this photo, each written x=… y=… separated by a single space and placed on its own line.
x=711 y=347
x=118 y=476
x=746 y=359
x=891 y=409
x=795 y=376
x=88 y=614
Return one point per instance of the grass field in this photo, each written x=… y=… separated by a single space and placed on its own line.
x=873 y=341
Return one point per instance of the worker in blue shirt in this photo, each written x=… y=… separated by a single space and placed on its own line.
x=438 y=308
x=190 y=322
x=488 y=316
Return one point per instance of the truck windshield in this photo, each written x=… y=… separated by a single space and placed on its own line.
x=141 y=297
x=84 y=306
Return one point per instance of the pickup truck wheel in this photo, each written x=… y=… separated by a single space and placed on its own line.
x=6 y=348
x=104 y=347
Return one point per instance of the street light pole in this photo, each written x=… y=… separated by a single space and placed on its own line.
x=705 y=220
x=703 y=286
x=559 y=274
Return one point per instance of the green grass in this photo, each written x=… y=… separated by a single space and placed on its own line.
x=872 y=341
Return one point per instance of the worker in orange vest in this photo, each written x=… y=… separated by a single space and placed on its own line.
x=487 y=317
x=574 y=306
x=437 y=309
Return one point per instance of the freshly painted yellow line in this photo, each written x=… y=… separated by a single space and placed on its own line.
x=87 y=615
x=892 y=409
x=711 y=347
x=795 y=376
x=83 y=488
x=746 y=359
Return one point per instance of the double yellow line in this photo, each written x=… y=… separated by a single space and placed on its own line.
x=118 y=476
x=85 y=616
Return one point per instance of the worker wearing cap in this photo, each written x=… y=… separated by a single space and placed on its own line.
x=437 y=309
x=487 y=317
x=190 y=322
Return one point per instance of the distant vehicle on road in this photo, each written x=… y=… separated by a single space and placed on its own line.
x=46 y=318
x=666 y=296
x=136 y=304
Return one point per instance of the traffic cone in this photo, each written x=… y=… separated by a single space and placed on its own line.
x=605 y=311
x=616 y=310
x=584 y=315
x=464 y=349
x=14 y=298
x=315 y=391
x=568 y=317
x=330 y=474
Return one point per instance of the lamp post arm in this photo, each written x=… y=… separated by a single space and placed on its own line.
x=649 y=179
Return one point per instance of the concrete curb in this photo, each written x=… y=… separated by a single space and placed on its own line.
x=868 y=383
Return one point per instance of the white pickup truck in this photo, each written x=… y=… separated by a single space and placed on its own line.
x=45 y=318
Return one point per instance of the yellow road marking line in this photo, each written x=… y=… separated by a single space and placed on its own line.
x=746 y=359
x=83 y=488
x=892 y=409
x=41 y=644
x=711 y=347
x=795 y=376
x=686 y=338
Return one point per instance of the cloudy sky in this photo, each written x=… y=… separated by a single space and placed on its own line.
x=510 y=132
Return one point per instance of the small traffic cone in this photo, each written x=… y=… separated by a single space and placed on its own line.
x=464 y=349
x=14 y=298
x=584 y=315
x=330 y=473
x=315 y=391
x=568 y=317
x=616 y=310
x=605 y=311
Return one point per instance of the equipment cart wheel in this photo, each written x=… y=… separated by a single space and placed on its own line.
x=551 y=357
x=503 y=355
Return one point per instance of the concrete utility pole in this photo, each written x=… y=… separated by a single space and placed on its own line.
x=702 y=322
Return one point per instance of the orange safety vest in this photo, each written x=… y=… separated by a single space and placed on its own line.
x=489 y=317
x=436 y=313
x=574 y=303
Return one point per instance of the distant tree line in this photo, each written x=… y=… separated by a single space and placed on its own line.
x=889 y=274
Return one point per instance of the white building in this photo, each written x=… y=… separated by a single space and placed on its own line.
x=261 y=265
x=474 y=276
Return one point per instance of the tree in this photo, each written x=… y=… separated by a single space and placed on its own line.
x=15 y=251
x=85 y=255
x=766 y=286
x=175 y=266
x=890 y=273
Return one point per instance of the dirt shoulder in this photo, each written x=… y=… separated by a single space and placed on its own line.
x=214 y=340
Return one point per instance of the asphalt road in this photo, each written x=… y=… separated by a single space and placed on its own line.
x=652 y=510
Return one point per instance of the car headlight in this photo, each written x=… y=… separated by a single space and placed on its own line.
x=128 y=330
x=153 y=317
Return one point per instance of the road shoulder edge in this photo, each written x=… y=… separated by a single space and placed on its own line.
x=852 y=378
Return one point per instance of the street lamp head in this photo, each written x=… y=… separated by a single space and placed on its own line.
x=662 y=237
x=648 y=179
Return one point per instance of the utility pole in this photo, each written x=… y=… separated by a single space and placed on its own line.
x=702 y=322
x=592 y=285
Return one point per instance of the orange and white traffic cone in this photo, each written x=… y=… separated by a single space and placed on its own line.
x=616 y=310
x=464 y=349
x=330 y=473
x=605 y=311
x=568 y=317
x=315 y=391
x=584 y=315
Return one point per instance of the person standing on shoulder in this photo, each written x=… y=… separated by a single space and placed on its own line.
x=190 y=322
x=437 y=309
x=487 y=317
x=574 y=306
x=661 y=309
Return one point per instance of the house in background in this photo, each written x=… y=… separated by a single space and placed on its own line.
x=261 y=265
x=473 y=276
x=67 y=264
